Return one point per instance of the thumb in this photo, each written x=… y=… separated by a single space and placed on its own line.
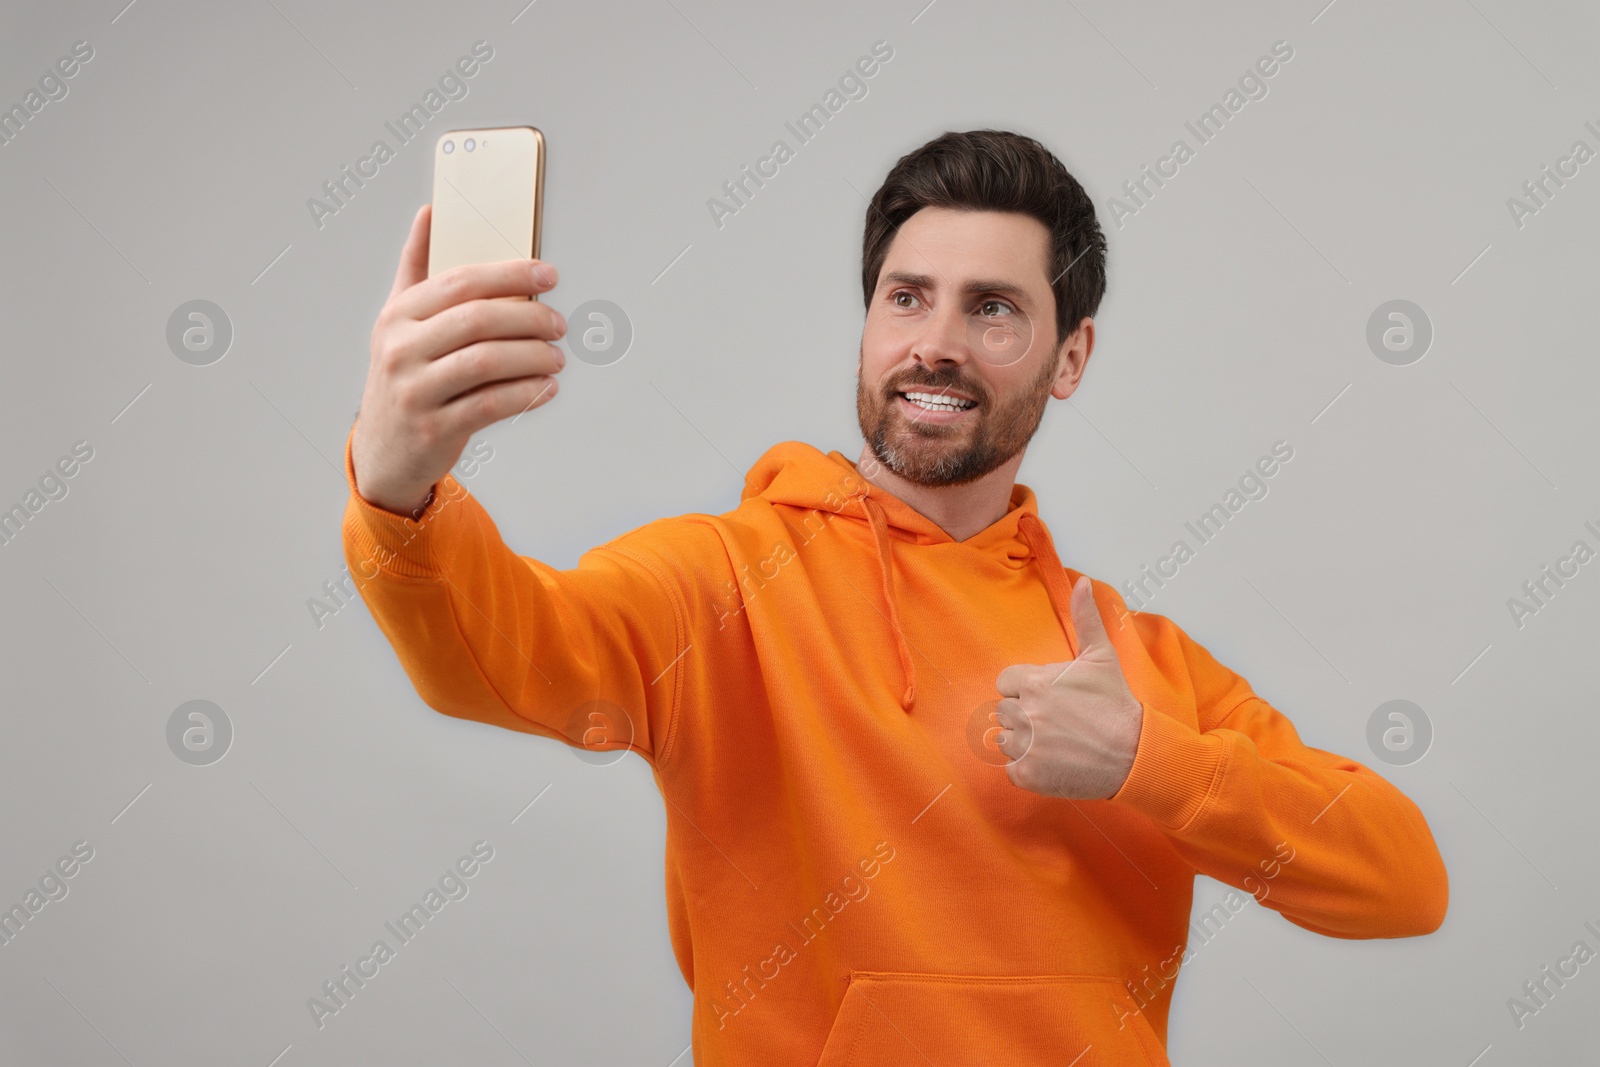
x=1086 y=617
x=414 y=257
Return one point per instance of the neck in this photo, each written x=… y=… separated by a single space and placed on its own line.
x=958 y=510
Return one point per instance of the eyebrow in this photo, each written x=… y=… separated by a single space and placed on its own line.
x=972 y=288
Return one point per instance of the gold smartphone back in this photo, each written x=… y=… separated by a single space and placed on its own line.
x=488 y=200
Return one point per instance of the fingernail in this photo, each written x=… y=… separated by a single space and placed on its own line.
x=561 y=324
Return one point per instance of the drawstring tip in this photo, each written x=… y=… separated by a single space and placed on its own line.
x=907 y=697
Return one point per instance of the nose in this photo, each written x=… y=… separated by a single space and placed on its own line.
x=944 y=337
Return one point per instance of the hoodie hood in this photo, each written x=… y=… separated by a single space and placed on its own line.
x=795 y=474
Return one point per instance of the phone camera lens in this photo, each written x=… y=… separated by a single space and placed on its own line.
x=449 y=146
x=469 y=144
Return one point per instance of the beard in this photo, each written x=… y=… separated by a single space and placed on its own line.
x=936 y=454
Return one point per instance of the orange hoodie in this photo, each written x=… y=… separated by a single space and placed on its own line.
x=850 y=874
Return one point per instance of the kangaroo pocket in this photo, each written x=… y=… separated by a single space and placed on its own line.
x=962 y=1019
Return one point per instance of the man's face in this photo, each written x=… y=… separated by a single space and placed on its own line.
x=964 y=311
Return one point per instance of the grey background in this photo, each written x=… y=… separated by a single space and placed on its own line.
x=180 y=564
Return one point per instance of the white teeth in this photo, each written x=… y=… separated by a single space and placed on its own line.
x=936 y=402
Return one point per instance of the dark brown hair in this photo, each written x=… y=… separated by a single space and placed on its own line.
x=995 y=170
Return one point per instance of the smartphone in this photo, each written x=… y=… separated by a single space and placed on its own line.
x=488 y=197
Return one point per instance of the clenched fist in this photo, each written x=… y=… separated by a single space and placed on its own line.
x=448 y=359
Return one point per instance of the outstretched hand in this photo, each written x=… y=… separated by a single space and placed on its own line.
x=449 y=356
x=1071 y=729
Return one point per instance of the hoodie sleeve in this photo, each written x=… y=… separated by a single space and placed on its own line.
x=584 y=656
x=1321 y=839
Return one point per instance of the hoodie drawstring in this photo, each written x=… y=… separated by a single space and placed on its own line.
x=1055 y=578
x=880 y=533
x=1044 y=557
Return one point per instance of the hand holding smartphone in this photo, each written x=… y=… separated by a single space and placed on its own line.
x=463 y=340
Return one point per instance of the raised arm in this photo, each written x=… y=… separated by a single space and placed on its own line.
x=584 y=655
x=589 y=656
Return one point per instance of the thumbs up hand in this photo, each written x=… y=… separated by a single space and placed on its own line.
x=1070 y=729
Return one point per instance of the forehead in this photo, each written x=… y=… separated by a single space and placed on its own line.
x=955 y=245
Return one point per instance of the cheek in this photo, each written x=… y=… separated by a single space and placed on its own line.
x=882 y=346
x=1003 y=387
x=875 y=328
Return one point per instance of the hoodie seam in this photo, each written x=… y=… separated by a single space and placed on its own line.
x=1225 y=716
x=1223 y=762
x=450 y=596
x=665 y=749
x=1213 y=789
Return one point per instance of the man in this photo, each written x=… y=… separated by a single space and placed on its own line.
x=931 y=795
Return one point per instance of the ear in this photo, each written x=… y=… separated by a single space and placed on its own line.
x=1072 y=358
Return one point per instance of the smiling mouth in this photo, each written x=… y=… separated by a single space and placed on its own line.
x=936 y=402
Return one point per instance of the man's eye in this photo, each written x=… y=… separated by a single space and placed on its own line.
x=992 y=308
x=897 y=297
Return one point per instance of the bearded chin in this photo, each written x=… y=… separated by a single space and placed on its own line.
x=928 y=459
x=943 y=459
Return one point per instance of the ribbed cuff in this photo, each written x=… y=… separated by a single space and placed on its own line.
x=376 y=538
x=1173 y=772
